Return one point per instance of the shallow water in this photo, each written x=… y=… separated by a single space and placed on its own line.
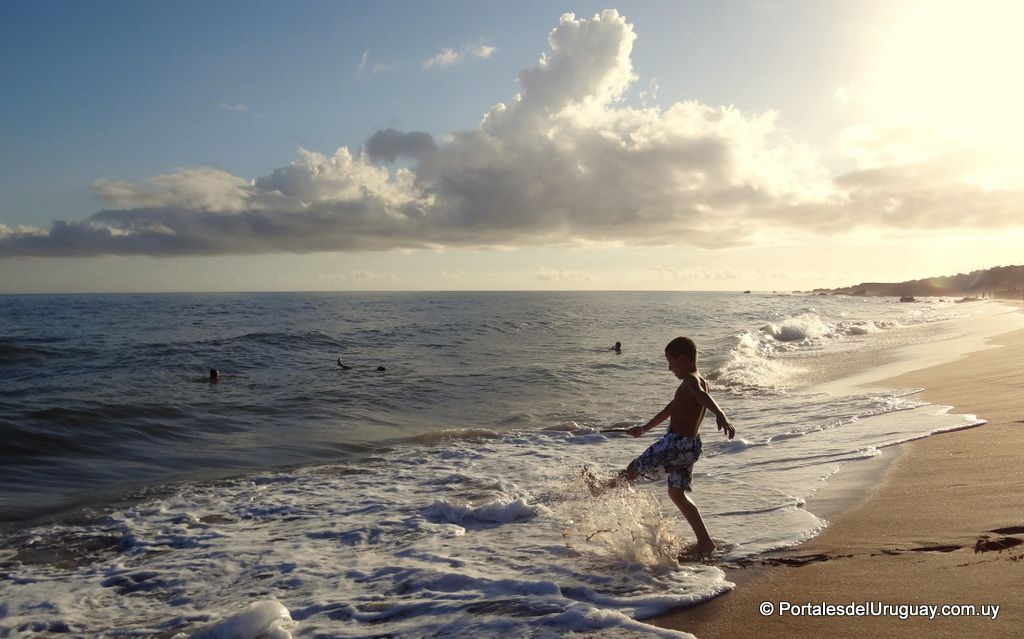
x=439 y=497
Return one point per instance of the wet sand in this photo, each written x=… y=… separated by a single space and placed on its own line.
x=943 y=523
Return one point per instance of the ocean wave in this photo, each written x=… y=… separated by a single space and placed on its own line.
x=755 y=364
x=50 y=432
x=22 y=441
x=784 y=436
x=751 y=368
x=809 y=328
x=768 y=508
x=733 y=445
x=283 y=340
x=497 y=512
x=801 y=327
x=268 y=618
x=97 y=413
x=566 y=427
x=12 y=353
x=456 y=434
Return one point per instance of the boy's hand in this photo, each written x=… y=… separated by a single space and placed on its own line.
x=635 y=431
x=723 y=424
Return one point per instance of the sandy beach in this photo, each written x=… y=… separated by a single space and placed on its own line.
x=943 y=524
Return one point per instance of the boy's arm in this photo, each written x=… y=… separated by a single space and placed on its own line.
x=708 y=402
x=636 y=431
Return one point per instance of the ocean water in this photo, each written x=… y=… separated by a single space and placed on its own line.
x=439 y=497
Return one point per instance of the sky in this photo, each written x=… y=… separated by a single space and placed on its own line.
x=536 y=145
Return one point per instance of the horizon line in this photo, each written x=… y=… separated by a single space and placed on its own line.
x=254 y=292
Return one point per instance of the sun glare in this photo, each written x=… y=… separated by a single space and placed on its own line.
x=953 y=69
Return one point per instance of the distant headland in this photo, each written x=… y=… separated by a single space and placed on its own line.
x=999 y=281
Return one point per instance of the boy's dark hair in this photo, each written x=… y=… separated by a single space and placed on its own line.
x=682 y=346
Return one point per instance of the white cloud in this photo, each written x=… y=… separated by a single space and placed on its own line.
x=364 y=275
x=200 y=189
x=563 y=162
x=844 y=95
x=560 y=275
x=690 y=274
x=447 y=57
x=20 y=230
x=377 y=67
x=232 y=107
x=483 y=51
x=357 y=275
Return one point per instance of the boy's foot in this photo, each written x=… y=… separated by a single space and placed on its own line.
x=697 y=550
x=593 y=485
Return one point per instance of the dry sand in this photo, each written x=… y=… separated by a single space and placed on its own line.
x=924 y=533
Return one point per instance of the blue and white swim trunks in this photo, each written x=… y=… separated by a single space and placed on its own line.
x=672 y=455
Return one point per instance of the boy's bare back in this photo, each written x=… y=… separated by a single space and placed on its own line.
x=687 y=411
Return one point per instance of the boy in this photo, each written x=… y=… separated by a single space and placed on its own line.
x=675 y=453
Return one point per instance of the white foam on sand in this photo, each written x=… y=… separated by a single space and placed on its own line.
x=967 y=333
x=434 y=541
x=428 y=543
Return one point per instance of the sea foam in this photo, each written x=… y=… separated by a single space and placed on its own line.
x=260 y=620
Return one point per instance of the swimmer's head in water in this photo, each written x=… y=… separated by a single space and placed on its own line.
x=381 y=368
x=214 y=373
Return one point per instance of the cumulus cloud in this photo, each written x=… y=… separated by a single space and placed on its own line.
x=563 y=161
x=447 y=57
x=389 y=144
x=204 y=188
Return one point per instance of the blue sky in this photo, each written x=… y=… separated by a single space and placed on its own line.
x=123 y=92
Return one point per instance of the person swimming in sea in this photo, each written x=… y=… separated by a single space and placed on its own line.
x=617 y=348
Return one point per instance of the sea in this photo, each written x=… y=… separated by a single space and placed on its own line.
x=432 y=486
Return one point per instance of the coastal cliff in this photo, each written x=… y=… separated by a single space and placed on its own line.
x=1000 y=281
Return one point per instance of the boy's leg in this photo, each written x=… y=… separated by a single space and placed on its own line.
x=597 y=486
x=629 y=473
x=689 y=509
x=648 y=465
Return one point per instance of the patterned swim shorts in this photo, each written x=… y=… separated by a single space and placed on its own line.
x=672 y=455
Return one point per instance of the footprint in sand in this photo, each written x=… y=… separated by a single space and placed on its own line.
x=984 y=544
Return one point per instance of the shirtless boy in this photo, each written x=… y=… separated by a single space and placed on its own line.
x=675 y=453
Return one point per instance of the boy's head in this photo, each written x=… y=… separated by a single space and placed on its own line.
x=681 y=354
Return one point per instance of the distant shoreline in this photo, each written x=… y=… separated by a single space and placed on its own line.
x=1001 y=282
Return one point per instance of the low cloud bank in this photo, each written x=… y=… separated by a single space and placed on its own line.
x=562 y=161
